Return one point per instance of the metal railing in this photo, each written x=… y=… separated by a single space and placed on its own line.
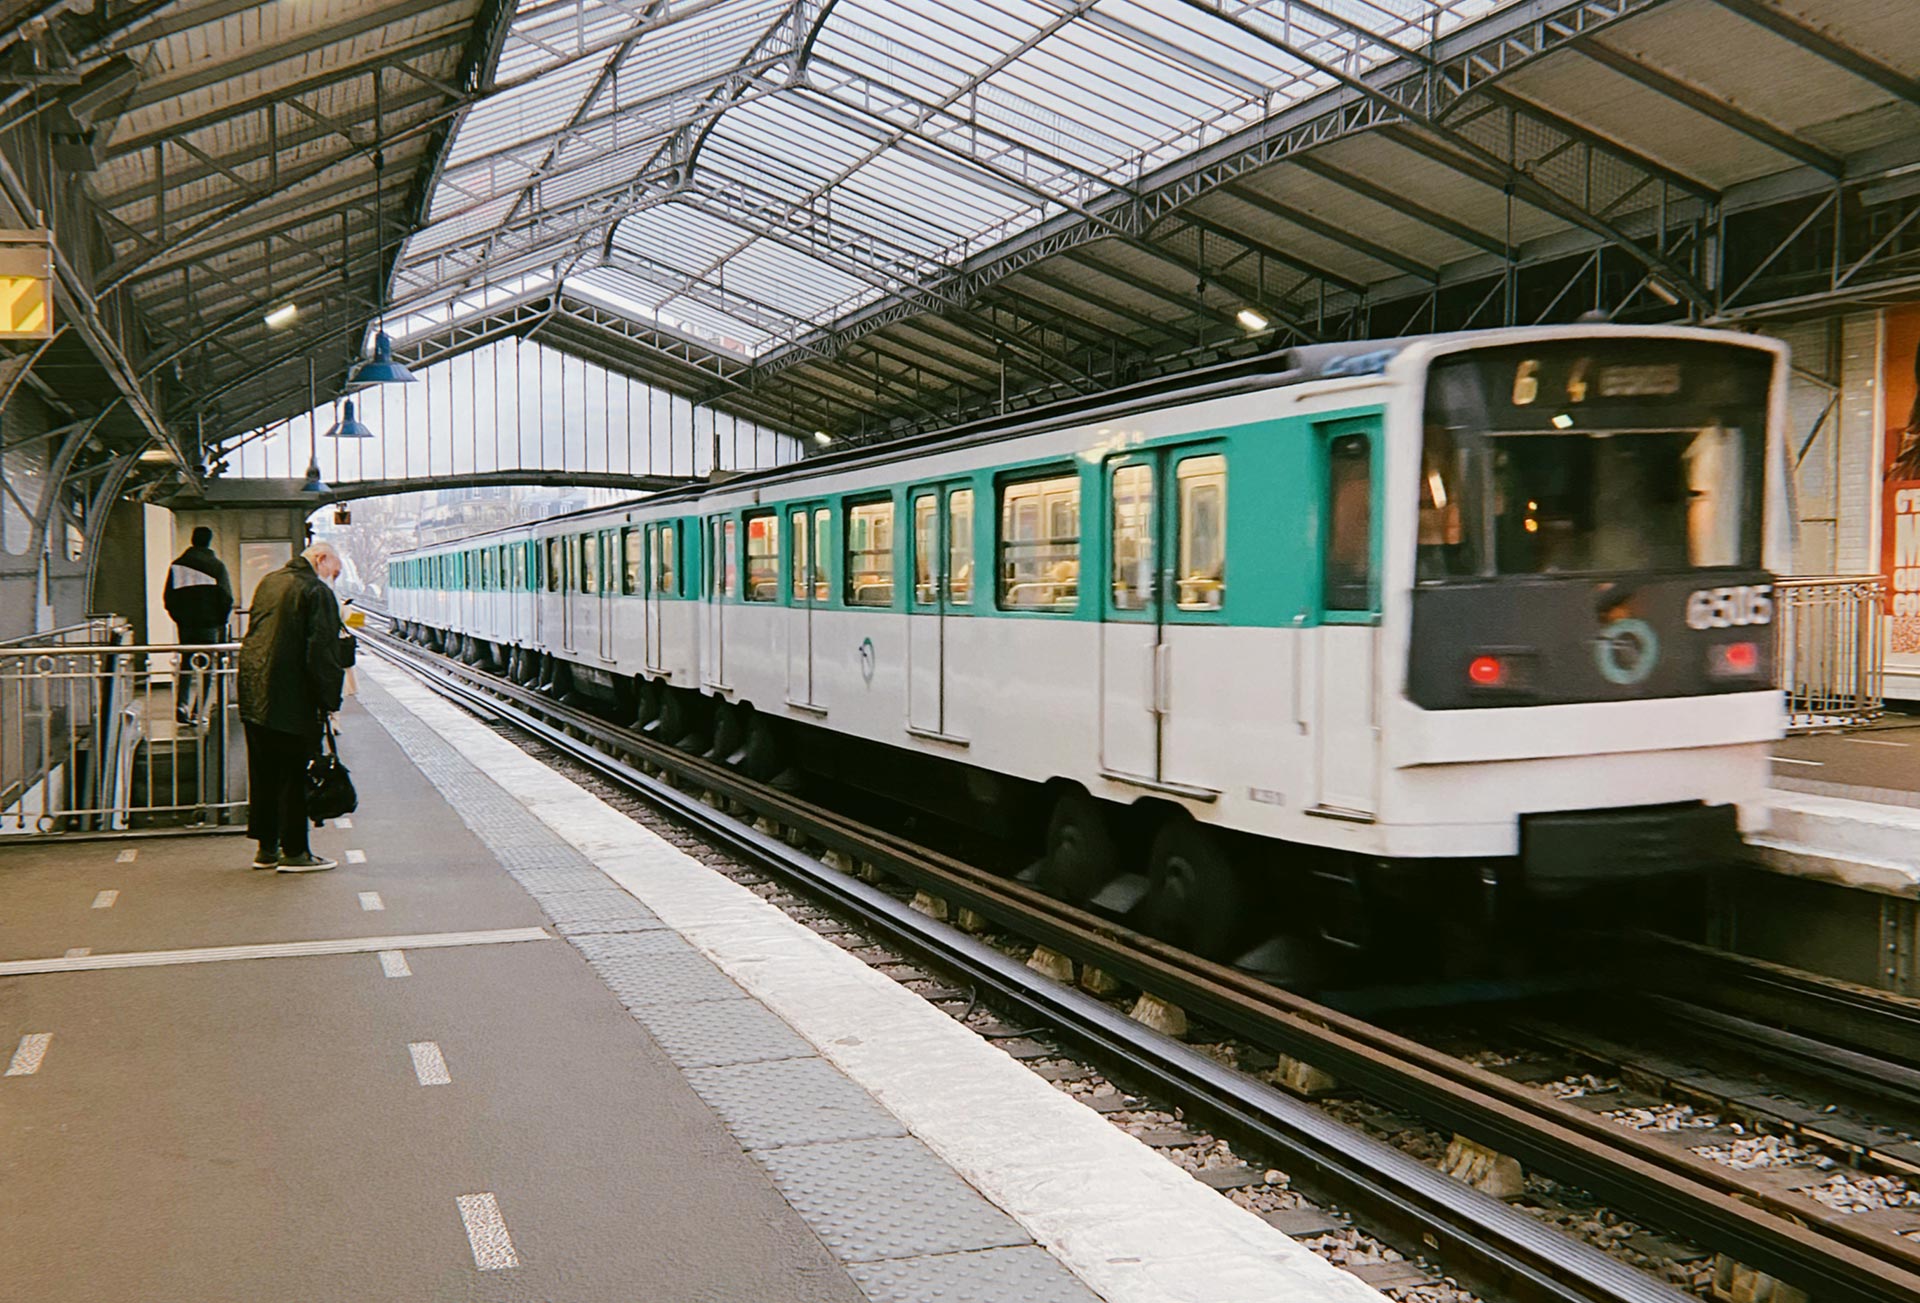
x=1831 y=645
x=94 y=631
x=114 y=738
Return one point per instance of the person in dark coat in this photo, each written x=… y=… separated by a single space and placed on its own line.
x=290 y=680
x=199 y=598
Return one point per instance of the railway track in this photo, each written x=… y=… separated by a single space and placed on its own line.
x=1488 y=1245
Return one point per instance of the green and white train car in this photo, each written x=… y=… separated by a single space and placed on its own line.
x=1474 y=611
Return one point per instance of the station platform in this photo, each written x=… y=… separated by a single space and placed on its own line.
x=1845 y=807
x=519 y=1047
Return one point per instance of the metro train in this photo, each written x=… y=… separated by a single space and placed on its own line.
x=1425 y=628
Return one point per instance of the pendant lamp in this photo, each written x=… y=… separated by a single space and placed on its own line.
x=382 y=370
x=350 y=427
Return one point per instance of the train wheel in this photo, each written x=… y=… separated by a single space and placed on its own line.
x=761 y=757
x=729 y=730
x=646 y=702
x=1194 y=897
x=1080 y=856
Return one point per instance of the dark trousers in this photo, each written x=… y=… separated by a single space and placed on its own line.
x=186 y=678
x=277 y=788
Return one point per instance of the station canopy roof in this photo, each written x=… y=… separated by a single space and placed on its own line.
x=872 y=216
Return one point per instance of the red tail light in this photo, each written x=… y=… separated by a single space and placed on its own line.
x=1486 y=671
x=1735 y=659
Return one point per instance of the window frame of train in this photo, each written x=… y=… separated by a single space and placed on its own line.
x=1005 y=579
x=808 y=582
x=849 y=511
x=1166 y=535
x=1349 y=600
x=660 y=578
x=768 y=523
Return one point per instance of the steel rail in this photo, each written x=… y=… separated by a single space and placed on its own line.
x=1676 y=1191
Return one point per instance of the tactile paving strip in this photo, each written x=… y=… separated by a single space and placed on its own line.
x=875 y=1199
x=1025 y=1274
x=606 y=905
x=657 y=968
x=715 y=1033
x=791 y=1102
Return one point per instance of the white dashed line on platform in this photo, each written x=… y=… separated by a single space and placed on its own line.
x=78 y=952
x=26 y=1059
x=429 y=1064
x=1789 y=760
x=370 y=900
x=126 y=856
x=343 y=822
x=1873 y=742
x=356 y=857
x=394 y=963
x=105 y=899
x=487 y=1232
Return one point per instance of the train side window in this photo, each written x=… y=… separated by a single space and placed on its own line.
x=801 y=532
x=630 y=540
x=959 y=547
x=729 y=559
x=553 y=565
x=589 y=563
x=1201 y=584
x=1348 y=576
x=668 y=560
x=870 y=553
x=822 y=552
x=926 y=542
x=1133 y=561
x=1040 y=544
x=763 y=557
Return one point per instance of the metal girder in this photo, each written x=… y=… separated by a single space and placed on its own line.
x=1711 y=106
x=1330 y=231
x=1860 y=63
x=1400 y=203
x=1653 y=168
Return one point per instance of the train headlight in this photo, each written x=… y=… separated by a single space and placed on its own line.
x=1734 y=660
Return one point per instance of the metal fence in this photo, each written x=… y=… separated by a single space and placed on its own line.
x=1831 y=642
x=101 y=736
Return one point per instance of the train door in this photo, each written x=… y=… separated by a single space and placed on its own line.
x=1345 y=659
x=942 y=580
x=662 y=581
x=1166 y=581
x=723 y=582
x=611 y=587
x=809 y=547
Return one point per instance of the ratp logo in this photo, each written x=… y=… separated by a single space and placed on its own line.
x=1626 y=652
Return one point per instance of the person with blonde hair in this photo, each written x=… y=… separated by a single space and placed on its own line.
x=290 y=681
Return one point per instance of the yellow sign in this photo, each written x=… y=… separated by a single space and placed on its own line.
x=23 y=307
x=26 y=285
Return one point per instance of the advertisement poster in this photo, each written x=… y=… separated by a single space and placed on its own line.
x=1900 y=492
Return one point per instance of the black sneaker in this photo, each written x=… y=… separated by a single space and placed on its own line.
x=266 y=859
x=305 y=864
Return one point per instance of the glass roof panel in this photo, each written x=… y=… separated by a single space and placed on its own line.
x=758 y=189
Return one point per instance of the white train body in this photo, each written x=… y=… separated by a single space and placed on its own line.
x=1277 y=694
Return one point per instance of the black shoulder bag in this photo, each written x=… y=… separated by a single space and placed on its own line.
x=330 y=791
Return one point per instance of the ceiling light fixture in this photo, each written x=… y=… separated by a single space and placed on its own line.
x=382 y=370
x=282 y=317
x=822 y=438
x=1252 y=320
x=156 y=455
x=349 y=427
x=1658 y=288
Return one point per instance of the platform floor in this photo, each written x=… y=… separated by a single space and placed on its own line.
x=1877 y=763
x=508 y=1078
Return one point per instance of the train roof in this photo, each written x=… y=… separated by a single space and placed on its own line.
x=1276 y=368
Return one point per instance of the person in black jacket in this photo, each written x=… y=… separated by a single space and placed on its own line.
x=290 y=680
x=199 y=599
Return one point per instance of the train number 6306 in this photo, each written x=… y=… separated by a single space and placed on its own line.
x=1721 y=608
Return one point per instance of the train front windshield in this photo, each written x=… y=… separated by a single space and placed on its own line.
x=1593 y=457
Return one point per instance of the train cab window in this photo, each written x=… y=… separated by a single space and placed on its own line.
x=1133 y=562
x=1201 y=580
x=926 y=545
x=959 y=547
x=1040 y=544
x=870 y=553
x=1348 y=576
x=630 y=540
x=763 y=558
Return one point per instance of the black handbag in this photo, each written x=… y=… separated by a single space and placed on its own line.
x=330 y=791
